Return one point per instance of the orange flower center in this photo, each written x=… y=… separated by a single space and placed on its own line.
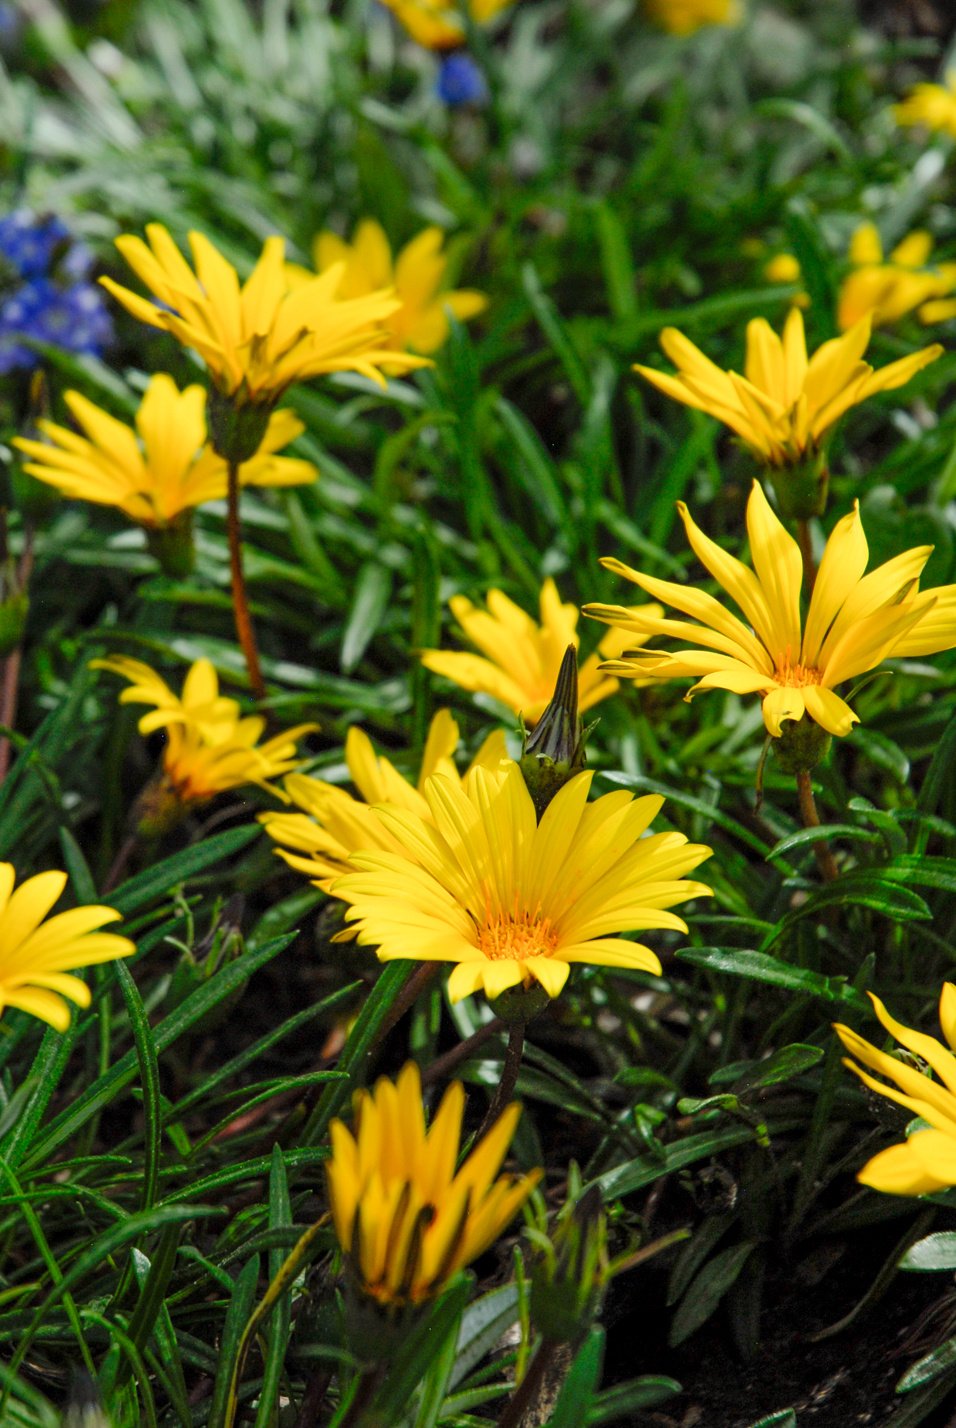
x=796 y=676
x=514 y=937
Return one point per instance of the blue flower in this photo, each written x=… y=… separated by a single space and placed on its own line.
x=460 y=81
x=74 y=318
x=30 y=243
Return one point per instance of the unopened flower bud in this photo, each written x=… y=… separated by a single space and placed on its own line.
x=570 y=1272
x=554 y=752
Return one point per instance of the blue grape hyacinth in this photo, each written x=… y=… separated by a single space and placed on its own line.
x=45 y=293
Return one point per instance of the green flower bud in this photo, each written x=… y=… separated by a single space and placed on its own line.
x=801 y=489
x=236 y=425
x=571 y=1269
x=801 y=746
x=554 y=752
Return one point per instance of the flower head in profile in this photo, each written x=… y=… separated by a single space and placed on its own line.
x=511 y=901
x=786 y=404
x=853 y=623
x=904 y=282
x=258 y=337
x=37 y=956
x=785 y=268
x=926 y=1161
x=405 y=1219
x=163 y=466
x=436 y=25
x=932 y=106
x=520 y=657
x=332 y=824
x=210 y=747
x=420 y=318
x=684 y=17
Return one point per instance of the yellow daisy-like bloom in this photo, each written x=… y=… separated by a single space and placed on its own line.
x=926 y=1161
x=258 y=337
x=784 y=268
x=436 y=24
x=407 y=1222
x=333 y=825
x=520 y=658
x=37 y=957
x=854 y=620
x=164 y=466
x=210 y=747
x=684 y=17
x=512 y=901
x=421 y=319
x=785 y=404
x=888 y=290
x=931 y=105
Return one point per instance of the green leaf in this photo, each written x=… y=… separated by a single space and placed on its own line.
x=626 y=1399
x=576 y=1398
x=932 y=1254
x=239 y=1311
x=482 y=1325
x=707 y=1289
x=759 y=967
x=436 y=1324
x=373 y=590
x=941 y=1360
x=99 y=1094
x=781 y=1065
x=786 y=1418
x=161 y=878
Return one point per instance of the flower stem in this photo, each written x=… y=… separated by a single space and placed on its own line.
x=811 y=819
x=509 y=1076
x=444 y=1065
x=367 y=1387
x=530 y=1386
x=244 y=630
x=806 y=550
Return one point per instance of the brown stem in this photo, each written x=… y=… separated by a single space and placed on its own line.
x=365 y=1392
x=311 y=1404
x=240 y=604
x=444 y=1065
x=10 y=679
x=420 y=980
x=528 y=1389
x=120 y=863
x=811 y=819
x=509 y=1076
x=806 y=550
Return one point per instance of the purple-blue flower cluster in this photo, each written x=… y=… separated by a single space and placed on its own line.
x=460 y=82
x=45 y=292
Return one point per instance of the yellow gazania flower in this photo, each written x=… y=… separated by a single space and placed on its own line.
x=209 y=747
x=406 y=1221
x=520 y=659
x=785 y=404
x=784 y=268
x=854 y=621
x=931 y=105
x=421 y=320
x=259 y=337
x=887 y=291
x=333 y=825
x=436 y=24
x=684 y=17
x=36 y=960
x=162 y=468
x=512 y=901
x=926 y=1162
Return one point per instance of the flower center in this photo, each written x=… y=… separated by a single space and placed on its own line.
x=513 y=937
x=796 y=676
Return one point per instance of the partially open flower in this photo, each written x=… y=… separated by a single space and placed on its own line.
x=436 y=25
x=684 y=17
x=932 y=106
x=407 y=1222
x=904 y=282
x=521 y=658
x=854 y=621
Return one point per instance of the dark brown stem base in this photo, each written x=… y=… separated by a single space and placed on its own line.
x=244 y=628
x=443 y=1066
x=528 y=1389
x=509 y=1076
x=811 y=819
